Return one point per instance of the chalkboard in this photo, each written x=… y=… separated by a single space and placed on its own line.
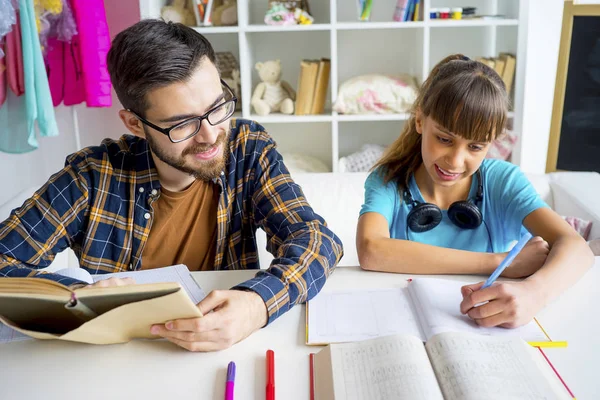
x=575 y=136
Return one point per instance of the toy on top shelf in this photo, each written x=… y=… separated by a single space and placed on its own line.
x=290 y=12
x=272 y=94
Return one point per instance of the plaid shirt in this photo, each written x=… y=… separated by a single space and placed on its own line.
x=100 y=205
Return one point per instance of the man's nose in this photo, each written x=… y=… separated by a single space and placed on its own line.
x=207 y=133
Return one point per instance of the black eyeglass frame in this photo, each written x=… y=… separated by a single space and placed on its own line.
x=167 y=131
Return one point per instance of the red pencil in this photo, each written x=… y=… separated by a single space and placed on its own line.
x=556 y=372
x=270 y=390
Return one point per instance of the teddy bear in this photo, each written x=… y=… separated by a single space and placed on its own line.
x=272 y=94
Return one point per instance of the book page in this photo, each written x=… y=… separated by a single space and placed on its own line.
x=391 y=367
x=470 y=366
x=176 y=273
x=76 y=273
x=438 y=301
x=354 y=315
x=10 y=335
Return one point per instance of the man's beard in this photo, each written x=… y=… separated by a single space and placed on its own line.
x=210 y=169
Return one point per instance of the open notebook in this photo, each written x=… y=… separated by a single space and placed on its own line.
x=160 y=286
x=450 y=366
x=427 y=306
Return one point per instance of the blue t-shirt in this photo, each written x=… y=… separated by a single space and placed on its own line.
x=508 y=197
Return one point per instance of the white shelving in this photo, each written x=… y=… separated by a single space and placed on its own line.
x=356 y=48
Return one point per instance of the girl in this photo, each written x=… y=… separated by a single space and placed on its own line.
x=434 y=205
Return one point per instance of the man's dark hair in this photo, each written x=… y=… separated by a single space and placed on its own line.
x=154 y=53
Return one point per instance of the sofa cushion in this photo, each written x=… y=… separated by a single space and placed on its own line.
x=576 y=194
x=337 y=197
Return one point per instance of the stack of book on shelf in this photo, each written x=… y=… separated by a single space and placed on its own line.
x=312 y=86
x=504 y=65
x=407 y=10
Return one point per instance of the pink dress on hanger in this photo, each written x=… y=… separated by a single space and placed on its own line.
x=93 y=43
x=2 y=75
x=14 y=60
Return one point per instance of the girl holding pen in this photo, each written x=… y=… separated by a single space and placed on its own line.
x=435 y=205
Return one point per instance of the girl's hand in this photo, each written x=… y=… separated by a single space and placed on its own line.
x=529 y=260
x=507 y=304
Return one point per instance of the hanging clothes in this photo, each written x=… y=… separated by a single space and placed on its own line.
x=93 y=46
x=3 y=86
x=61 y=58
x=45 y=12
x=17 y=132
x=7 y=19
x=14 y=60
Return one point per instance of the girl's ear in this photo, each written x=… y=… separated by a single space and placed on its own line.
x=419 y=120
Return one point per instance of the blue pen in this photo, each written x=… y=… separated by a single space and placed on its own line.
x=230 y=381
x=509 y=259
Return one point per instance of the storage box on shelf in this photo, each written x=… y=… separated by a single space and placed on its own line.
x=356 y=48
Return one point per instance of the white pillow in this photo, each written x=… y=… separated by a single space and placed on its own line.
x=376 y=94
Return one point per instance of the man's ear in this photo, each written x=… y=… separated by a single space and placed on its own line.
x=419 y=121
x=133 y=124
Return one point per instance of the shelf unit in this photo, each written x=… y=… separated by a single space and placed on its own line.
x=356 y=48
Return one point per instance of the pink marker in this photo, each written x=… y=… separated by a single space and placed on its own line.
x=230 y=381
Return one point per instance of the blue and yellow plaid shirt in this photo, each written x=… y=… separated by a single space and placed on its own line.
x=100 y=205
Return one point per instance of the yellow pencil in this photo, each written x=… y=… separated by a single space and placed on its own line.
x=548 y=344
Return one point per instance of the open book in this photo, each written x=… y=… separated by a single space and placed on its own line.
x=450 y=366
x=45 y=309
x=426 y=307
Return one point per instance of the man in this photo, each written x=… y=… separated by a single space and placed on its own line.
x=190 y=186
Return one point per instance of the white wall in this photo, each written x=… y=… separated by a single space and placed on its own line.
x=537 y=66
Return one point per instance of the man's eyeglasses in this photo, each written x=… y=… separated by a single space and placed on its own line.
x=191 y=126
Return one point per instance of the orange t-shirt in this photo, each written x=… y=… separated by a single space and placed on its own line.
x=184 y=228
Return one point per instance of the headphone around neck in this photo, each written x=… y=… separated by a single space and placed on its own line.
x=425 y=216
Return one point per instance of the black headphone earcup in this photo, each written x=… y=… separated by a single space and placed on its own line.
x=424 y=217
x=465 y=215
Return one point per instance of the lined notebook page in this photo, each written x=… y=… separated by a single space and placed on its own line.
x=483 y=367
x=353 y=315
x=439 y=305
x=394 y=367
x=176 y=273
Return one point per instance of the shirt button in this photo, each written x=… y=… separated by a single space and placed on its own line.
x=131 y=266
x=147 y=215
x=141 y=190
x=154 y=192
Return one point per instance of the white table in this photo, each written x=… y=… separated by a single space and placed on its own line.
x=159 y=370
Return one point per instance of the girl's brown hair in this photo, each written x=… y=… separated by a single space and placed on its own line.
x=466 y=97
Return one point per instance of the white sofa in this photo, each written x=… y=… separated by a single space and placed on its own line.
x=337 y=197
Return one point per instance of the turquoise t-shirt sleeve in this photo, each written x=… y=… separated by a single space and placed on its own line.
x=512 y=189
x=379 y=197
